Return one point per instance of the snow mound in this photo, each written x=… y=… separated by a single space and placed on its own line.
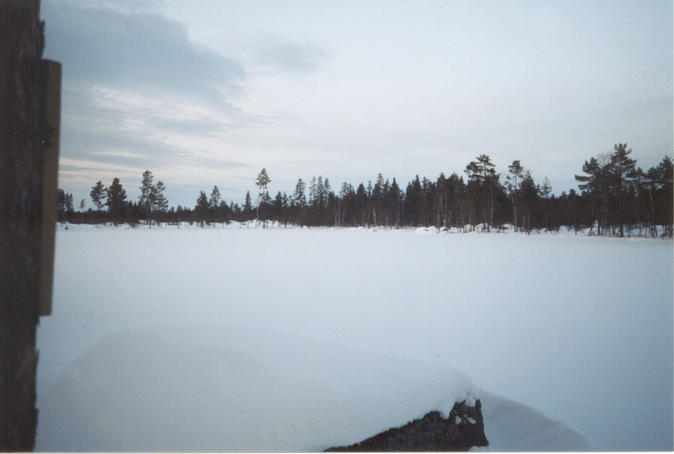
x=425 y=230
x=512 y=426
x=229 y=388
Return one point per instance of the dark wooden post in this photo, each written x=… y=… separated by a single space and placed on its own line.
x=50 y=100
x=21 y=166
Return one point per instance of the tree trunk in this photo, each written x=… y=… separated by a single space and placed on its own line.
x=512 y=197
x=620 y=203
x=653 y=227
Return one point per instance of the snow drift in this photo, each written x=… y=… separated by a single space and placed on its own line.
x=235 y=389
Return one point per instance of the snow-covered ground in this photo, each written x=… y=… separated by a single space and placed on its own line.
x=357 y=329
x=224 y=387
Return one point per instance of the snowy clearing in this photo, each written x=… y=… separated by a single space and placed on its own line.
x=578 y=328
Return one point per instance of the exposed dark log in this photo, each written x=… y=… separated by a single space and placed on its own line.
x=460 y=431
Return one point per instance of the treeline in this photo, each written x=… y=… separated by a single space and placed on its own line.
x=616 y=198
x=112 y=205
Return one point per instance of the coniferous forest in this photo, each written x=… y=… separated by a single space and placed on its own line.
x=616 y=198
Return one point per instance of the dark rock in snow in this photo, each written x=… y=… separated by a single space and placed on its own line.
x=463 y=429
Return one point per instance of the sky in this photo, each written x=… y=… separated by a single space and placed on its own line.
x=206 y=93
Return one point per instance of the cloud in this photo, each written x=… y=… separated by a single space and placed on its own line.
x=135 y=50
x=138 y=94
x=281 y=54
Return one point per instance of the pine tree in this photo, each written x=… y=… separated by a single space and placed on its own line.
x=61 y=201
x=247 y=206
x=513 y=184
x=439 y=201
x=146 y=197
x=159 y=200
x=65 y=204
x=214 y=200
x=595 y=186
x=69 y=202
x=427 y=189
x=361 y=203
x=343 y=202
x=321 y=202
x=661 y=189
x=545 y=192
x=326 y=190
x=299 y=200
x=622 y=169
x=82 y=205
x=313 y=192
x=483 y=177
x=529 y=196
x=377 y=198
x=393 y=198
x=262 y=181
x=414 y=201
x=201 y=208
x=116 y=200
x=98 y=195
x=320 y=193
x=277 y=206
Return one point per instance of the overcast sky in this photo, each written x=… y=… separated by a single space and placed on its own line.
x=209 y=92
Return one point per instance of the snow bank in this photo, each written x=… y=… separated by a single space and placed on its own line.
x=631 y=234
x=512 y=426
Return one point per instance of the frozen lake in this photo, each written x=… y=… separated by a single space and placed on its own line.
x=578 y=328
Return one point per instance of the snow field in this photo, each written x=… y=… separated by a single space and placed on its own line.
x=579 y=328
